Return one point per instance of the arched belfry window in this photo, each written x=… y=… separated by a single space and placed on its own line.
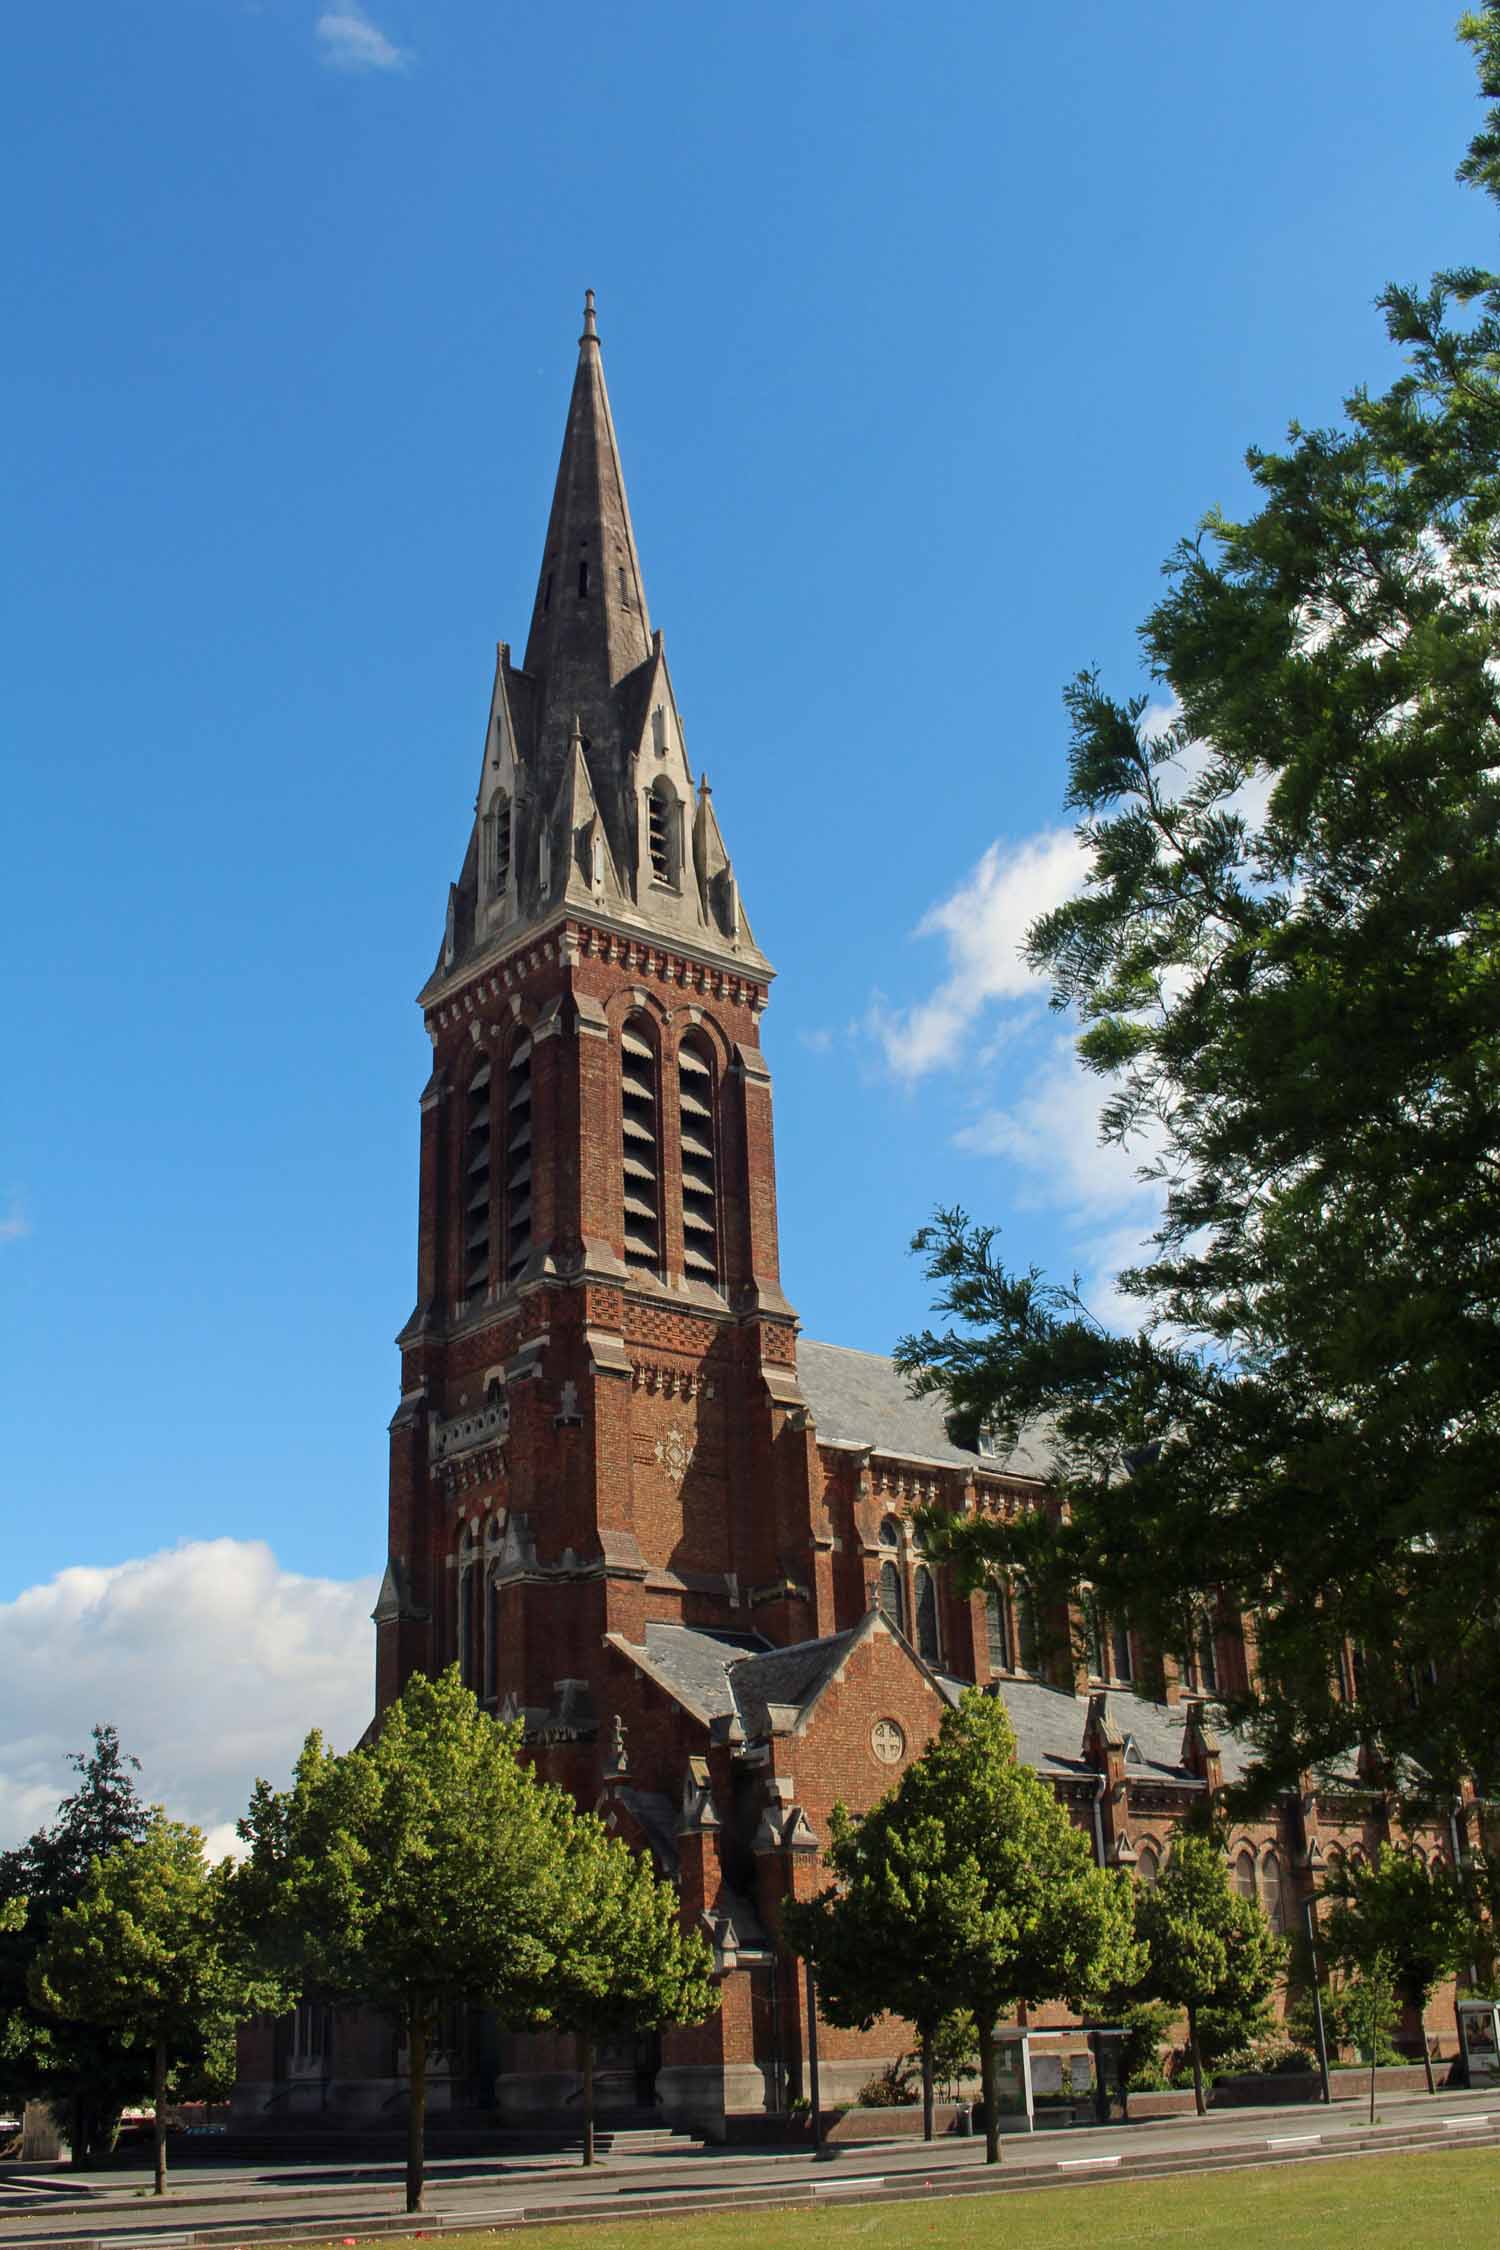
x=892 y=1596
x=700 y=1187
x=640 y=1154
x=476 y=1182
x=925 y=1592
x=661 y=831
x=518 y=1158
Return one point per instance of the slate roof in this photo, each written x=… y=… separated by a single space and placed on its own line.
x=720 y=1675
x=1049 y=1732
x=785 y=1675
x=738 y=1675
x=860 y=1398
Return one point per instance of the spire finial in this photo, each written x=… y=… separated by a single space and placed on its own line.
x=590 y=331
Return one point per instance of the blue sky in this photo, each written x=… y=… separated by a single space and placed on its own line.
x=928 y=333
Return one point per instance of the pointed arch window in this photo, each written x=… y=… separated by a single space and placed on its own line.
x=925 y=1592
x=1096 y=1637
x=997 y=1633
x=892 y=1596
x=1121 y=1667
x=700 y=1190
x=518 y=1159
x=1028 y=1648
x=1271 y=1892
x=1147 y=1867
x=640 y=1155
x=468 y=1556
x=476 y=1182
x=1244 y=1874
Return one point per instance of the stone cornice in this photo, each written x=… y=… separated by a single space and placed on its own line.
x=565 y=937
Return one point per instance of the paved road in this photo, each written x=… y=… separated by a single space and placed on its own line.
x=52 y=2209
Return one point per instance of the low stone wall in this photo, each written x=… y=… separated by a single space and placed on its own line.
x=1267 y=2089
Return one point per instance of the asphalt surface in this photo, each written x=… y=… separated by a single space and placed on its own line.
x=55 y=2210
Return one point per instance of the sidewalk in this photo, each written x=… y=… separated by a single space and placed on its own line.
x=285 y=2202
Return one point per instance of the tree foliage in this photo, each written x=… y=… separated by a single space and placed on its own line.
x=1208 y=1951
x=1418 y=1917
x=86 y=2070
x=621 y=1958
x=1284 y=964
x=967 y=1887
x=432 y=1870
x=151 y=1950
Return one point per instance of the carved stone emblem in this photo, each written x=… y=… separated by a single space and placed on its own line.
x=675 y=1453
x=888 y=1742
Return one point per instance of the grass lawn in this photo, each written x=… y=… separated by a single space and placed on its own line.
x=1404 y=2202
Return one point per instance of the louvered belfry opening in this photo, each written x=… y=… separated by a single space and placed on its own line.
x=640 y=1154
x=477 y=1183
x=700 y=1184
x=502 y=843
x=518 y=1159
x=659 y=835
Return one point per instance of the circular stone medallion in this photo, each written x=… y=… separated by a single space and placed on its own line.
x=887 y=1741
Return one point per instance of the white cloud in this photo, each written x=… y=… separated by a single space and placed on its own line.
x=350 y=41
x=211 y=1660
x=983 y=925
x=15 y=1225
x=1051 y=1131
x=817 y=1042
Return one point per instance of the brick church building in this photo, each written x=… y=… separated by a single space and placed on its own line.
x=639 y=1509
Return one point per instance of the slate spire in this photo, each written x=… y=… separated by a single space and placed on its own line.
x=589 y=625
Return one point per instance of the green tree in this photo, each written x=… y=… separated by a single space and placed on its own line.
x=621 y=1958
x=415 y=1875
x=1414 y=1915
x=151 y=1950
x=1208 y=1952
x=975 y=1891
x=1372 y=2002
x=892 y=1933
x=85 y=2070
x=1284 y=964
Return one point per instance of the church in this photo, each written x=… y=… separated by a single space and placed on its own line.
x=640 y=1510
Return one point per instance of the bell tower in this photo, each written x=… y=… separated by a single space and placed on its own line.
x=600 y=1422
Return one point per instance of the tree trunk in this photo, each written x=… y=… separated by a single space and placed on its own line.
x=159 y=2134
x=416 y=2106
x=1426 y=2046
x=78 y=2147
x=927 y=2085
x=586 y=2060
x=1374 y=2051
x=1199 y=2102
x=991 y=2094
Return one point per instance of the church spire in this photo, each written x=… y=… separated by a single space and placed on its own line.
x=589 y=626
x=586 y=797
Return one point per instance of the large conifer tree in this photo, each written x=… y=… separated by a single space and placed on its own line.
x=1286 y=966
